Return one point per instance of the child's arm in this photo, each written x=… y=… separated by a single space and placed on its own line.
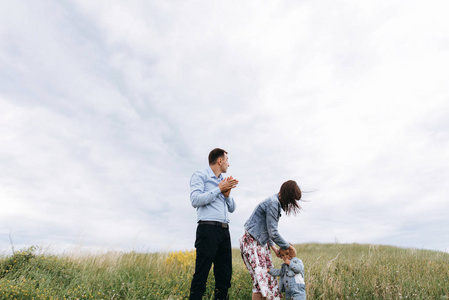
x=274 y=272
x=296 y=265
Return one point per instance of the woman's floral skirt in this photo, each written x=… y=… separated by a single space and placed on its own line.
x=257 y=259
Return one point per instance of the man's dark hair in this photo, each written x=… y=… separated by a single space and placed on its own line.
x=289 y=194
x=215 y=154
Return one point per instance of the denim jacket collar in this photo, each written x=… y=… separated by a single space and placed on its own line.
x=280 y=207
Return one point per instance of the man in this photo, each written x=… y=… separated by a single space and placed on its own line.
x=210 y=195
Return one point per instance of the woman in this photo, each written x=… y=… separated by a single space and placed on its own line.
x=261 y=234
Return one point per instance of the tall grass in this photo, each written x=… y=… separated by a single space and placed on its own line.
x=333 y=271
x=374 y=272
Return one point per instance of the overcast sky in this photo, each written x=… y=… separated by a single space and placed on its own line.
x=108 y=107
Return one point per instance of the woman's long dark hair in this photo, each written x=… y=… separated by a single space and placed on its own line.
x=289 y=194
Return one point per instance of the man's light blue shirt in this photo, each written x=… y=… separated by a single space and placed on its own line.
x=206 y=197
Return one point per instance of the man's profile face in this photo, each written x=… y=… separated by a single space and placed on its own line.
x=224 y=163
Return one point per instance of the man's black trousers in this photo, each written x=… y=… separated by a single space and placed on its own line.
x=213 y=245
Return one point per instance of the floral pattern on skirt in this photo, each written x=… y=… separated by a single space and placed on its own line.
x=257 y=259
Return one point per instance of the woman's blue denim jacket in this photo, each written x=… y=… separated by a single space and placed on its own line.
x=263 y=223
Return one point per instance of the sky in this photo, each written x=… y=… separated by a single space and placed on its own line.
x=108 y=107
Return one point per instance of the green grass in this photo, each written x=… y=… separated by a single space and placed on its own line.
x=333 y=271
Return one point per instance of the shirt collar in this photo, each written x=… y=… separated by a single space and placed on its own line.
x=212 y=174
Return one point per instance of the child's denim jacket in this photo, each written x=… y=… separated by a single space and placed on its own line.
x=291 y=279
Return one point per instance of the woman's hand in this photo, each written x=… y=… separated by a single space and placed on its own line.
x=276 y=251
x=292 y=250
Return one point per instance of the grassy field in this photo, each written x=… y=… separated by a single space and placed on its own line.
x=333 y=271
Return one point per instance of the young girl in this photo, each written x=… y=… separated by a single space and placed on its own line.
x=291 y=276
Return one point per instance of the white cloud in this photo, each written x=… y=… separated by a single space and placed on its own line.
x=108 y=108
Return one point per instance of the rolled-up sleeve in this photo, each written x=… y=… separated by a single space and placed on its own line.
x=272 y=226
x=275 y=272
x=197 y=195
x=231 y=204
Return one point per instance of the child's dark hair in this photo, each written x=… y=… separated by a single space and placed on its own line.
x=289 y=194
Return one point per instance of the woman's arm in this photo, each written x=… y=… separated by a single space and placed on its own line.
x=272 y=225
x=276 y=250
